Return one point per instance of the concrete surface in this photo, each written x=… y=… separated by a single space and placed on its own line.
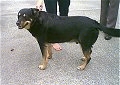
x=20 y=53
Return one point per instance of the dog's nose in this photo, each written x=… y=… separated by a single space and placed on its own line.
x=17 y=23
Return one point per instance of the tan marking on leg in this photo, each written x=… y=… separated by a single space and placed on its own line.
x=49 y=52
x=86 y=60
x=83 y=58
x=45 y=58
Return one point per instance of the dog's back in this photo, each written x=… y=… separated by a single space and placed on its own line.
x=64 y=29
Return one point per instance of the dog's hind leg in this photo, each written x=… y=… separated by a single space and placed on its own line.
x=87 y=39
x=85 y=59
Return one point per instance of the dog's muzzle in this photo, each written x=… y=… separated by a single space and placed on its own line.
x=18 y=24
x=21 y=26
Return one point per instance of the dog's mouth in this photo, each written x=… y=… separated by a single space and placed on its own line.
x=20 y=27
x=24 y=25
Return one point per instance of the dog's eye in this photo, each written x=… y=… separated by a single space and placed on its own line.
x=19 y=14
x=24 y=15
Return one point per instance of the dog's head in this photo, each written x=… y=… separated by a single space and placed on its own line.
x=26 y=17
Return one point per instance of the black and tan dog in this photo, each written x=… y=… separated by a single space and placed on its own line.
x=49 y=28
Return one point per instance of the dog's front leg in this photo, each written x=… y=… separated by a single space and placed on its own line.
x=49 y=51
x=44 y=50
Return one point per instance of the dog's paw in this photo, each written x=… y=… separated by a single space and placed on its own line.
x=81 y=67
x=42 y=67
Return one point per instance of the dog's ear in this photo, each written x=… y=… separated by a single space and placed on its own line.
x=34 y=11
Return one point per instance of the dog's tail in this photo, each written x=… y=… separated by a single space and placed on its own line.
x=110 y=31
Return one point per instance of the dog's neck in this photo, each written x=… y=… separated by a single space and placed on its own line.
x=33 y=22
